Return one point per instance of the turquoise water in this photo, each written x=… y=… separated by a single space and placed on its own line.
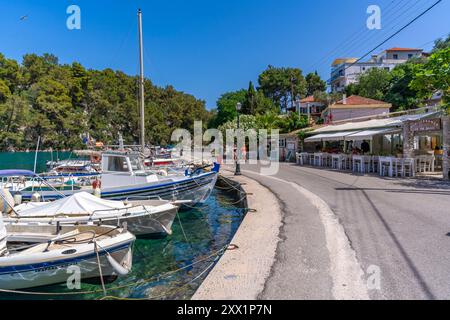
x=25 y=160
x=207 y=229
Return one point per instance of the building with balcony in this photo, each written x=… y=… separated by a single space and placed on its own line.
x=311 y=108
x=345 y=71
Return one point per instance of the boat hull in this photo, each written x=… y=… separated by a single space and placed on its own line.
x=196 y=189
x=148 y=225
x=37 y=274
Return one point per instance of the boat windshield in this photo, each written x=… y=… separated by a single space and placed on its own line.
x=136 y=164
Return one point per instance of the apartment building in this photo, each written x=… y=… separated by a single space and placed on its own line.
x=345 y=71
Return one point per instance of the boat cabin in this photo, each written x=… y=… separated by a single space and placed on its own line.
x=119 y=169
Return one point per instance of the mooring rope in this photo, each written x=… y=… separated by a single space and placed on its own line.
x=174 y=291
x=216 y=254
x=99 y=268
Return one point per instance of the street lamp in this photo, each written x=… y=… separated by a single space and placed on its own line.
x=238 y=165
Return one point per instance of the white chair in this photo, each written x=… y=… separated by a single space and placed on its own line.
x=375 y=164
x=397 y=168
x=357 y=164
x=408 y=167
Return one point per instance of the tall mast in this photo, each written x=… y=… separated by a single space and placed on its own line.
x=141 y=81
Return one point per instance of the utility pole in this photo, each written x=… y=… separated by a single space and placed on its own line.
x=141 y=81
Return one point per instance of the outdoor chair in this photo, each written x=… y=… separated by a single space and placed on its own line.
x=375 y=164
x=408 y=168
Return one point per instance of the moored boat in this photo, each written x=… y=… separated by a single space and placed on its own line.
x=142 y=217
x=35 y=256
x=124 y=176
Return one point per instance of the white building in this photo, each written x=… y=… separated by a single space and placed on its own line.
x=345 y=71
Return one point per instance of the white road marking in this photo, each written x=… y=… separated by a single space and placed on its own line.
x=346 y=272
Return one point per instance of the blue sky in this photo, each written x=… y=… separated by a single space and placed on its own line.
x=209 y=47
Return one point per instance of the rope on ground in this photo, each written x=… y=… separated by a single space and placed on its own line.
x=215 y=254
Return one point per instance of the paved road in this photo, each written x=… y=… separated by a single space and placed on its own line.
x=400 y=226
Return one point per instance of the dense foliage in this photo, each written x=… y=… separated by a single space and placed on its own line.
x=279 y=89
x=61 y=103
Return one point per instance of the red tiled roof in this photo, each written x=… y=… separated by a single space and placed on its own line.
x=403 y=49
x=308 y=99
x=357 y=100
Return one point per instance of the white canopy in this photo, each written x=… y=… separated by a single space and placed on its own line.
x=329 y=136
x=374 y=123
x=369 y=134
x=81 y=203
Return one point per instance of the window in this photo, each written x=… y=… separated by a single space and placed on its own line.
x=395 y=56
x=117 y=164
x=282 y=143
x=136 y=164
x=410 y=56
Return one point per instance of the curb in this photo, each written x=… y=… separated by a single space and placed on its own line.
x=241 y=273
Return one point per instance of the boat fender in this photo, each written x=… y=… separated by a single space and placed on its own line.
x=118 y=268
x=36 y=197
x=98 y=192
x=6 y=201
x=18 y=199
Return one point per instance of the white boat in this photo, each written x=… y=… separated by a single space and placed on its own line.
x=35 y=256
x=124 y=176
x=143 y=217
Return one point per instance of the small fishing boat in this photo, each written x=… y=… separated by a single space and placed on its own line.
x=124 y=176
x=143 y=217
x=35 y=256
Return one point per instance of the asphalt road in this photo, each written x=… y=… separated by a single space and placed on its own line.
x=398 y=229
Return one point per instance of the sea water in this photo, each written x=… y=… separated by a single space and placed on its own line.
x=171 y=267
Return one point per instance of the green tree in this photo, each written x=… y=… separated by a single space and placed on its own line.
x=434 y=76
x=249 y=105
x=226 y=106
x=282 y=85
x=60 y=103
x=441 y=44
x=314 y=84
x=400 y=94
x=374 y=84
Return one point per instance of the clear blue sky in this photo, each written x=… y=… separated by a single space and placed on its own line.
x=207 y=47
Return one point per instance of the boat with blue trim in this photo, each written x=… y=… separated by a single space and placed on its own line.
x=34 y=256
x=124 y=176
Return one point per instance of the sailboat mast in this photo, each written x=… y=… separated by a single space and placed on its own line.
x=141 y=81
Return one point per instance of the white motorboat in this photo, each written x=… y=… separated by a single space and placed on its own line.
x=124 y=176
x=143 y=217
x=35 y=256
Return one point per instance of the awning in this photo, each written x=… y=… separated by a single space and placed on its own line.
x=16 y=173
x=369 y=134
x=329 y=136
